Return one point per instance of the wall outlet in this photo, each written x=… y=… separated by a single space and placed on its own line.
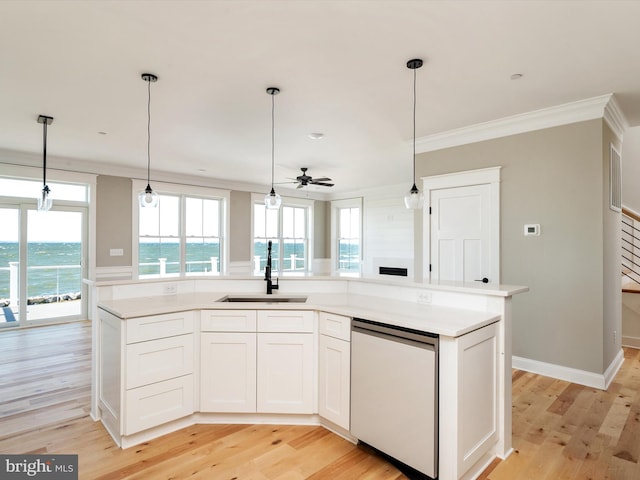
x=170 y=288
x=615 y=336
x=424 y=297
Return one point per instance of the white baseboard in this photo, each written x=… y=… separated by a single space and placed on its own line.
x=568 y=374
x=632 y=342
x=114 y=273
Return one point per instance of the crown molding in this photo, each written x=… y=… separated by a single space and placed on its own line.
x=65 y=164
x=604 y=106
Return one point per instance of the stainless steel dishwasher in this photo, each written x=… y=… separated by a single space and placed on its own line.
x=394 y=392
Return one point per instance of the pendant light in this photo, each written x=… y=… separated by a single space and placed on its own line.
x=148 y=198
x=44 y=200
x=272 y=200
x=414 y=198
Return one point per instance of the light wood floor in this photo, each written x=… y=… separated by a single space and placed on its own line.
x=560 y=430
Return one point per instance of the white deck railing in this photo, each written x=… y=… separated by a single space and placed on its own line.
x=14 y=269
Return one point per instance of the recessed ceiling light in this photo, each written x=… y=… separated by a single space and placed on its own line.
x=516 y=76
x=315 y=136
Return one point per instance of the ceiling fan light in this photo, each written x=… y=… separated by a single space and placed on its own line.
x=272 y=200
x=414 y=198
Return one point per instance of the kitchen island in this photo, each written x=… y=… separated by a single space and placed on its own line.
x=165 y=360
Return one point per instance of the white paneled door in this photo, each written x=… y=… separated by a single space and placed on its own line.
x=463 y=230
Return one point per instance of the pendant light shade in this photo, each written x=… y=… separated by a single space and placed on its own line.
x=148 y=198
x=272 y=200
x=414 y=198
x=44 y=200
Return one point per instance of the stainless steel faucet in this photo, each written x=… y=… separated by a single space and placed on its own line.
x=267 y=272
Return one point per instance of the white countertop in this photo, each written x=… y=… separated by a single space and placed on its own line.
x=446 y=321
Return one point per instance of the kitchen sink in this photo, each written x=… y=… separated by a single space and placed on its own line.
x=263 y=299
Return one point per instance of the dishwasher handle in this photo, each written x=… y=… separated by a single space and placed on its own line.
x=393 y=332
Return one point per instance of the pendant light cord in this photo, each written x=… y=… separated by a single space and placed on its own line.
x=44 y=154
x=414 y=126
x=148 y=131
x=272 y=137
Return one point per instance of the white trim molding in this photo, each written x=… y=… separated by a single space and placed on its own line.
x=568 y=374
x=114 y=273
x=604 y=106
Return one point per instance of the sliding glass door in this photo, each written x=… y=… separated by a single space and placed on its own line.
x=41 y=264
x=54 y=264
x=9 y=265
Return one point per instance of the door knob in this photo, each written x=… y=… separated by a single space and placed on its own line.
x=484 y=280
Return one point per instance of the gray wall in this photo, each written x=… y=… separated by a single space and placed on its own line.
x=321 y=232
x=553 y=177
x=114 y=222
x=240 y=226
x=631 y=169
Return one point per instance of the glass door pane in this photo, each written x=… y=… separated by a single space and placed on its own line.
x=9 y=266
x=54 y=264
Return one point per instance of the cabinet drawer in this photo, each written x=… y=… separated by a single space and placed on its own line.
x=158 y=326
x=157 y=360
x=158 y=403
x=228 y=321
x=294 y=321
x=336 y=326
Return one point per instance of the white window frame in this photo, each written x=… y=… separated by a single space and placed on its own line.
x=308 y=204
x=164 y=188
x=336 y=206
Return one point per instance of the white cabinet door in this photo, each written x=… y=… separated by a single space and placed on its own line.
x=285 y=373
x=158 y=403
x=334 y=380
x=228 y=372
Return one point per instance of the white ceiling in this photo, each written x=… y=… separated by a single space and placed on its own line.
x=340 y=65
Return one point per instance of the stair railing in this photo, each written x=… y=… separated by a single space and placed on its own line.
x=630 y=245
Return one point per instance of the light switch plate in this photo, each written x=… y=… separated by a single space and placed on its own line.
x=116 y=252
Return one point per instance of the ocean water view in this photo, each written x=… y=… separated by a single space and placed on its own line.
x=52 y=268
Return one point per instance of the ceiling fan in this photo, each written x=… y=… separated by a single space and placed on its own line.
x=304 y=180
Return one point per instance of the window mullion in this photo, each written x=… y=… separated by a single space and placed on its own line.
x=182 y=233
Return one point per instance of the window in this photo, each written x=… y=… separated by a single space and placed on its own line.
x=347 y=248
x=183 y=235
x=14 y=187
x=288 y=228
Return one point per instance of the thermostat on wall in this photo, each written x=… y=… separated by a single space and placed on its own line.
x=532 y=229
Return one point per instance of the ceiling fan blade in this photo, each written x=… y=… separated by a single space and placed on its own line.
x=300 y=185
x=323 y=179
x=323 y=184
